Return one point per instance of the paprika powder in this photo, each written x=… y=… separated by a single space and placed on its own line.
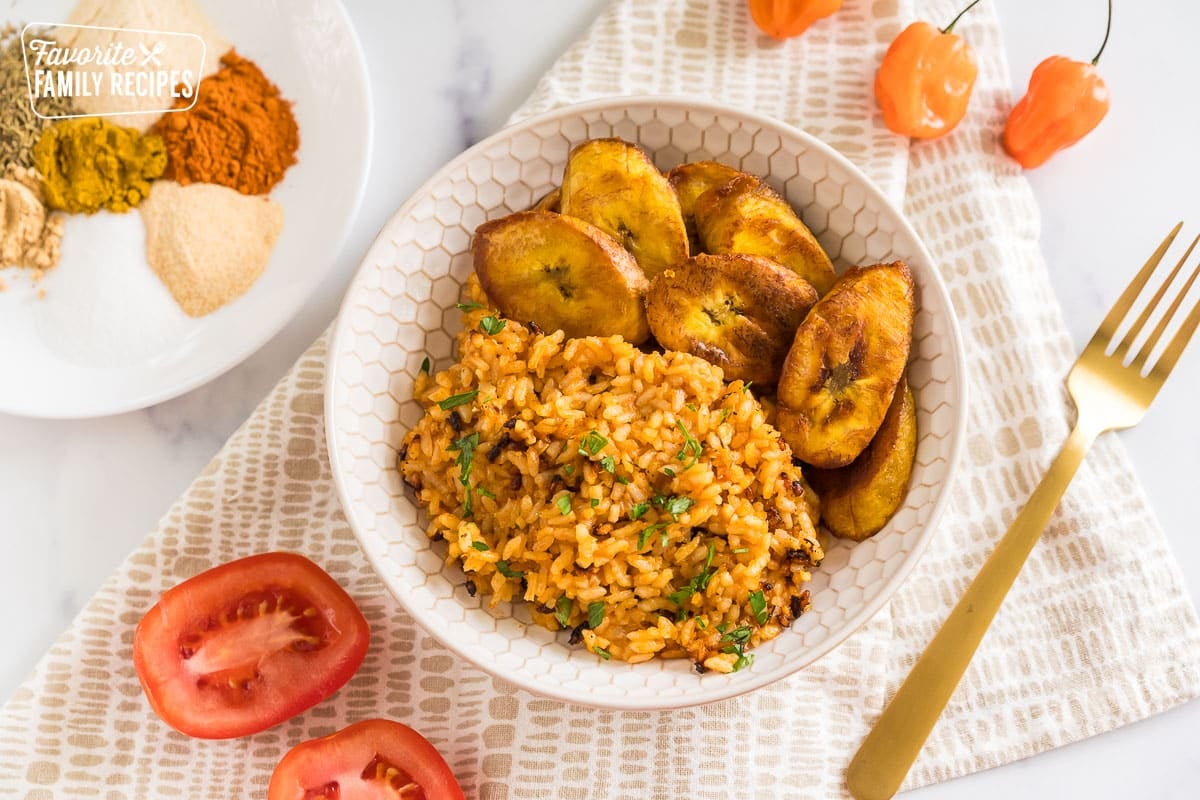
x=240 y=133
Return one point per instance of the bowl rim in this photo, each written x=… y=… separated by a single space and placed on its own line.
x=853 y=622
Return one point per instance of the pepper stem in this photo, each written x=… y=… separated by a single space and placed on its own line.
x=1107 y=28
x=974 y=3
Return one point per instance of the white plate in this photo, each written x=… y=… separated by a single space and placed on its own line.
x=55 y=364
x=400 y=308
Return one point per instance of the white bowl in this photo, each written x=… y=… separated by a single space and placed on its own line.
x=107 y=337
x=400 y=309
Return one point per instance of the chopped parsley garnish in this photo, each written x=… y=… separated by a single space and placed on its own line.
x=604 y=654
x=681 y=596
x=609 y=463
x=724 y=626
x=701 y=624
x=456 y=400
x=737 y=639
x=569 y=470
x=690 y=406
x=758 y=604
x=670 y=473
x=562 y=610
x=621 y=479
x=692 y=448
x=595 y=501
x=504 y=569
x=649 y=531
x=564 y=504
x=425 y=365
x=480 y=546
x=592 y=444
x=595 y=615
x=468 y=306
x=698 y=583
x=466 y=447
x=675 y=505
x=739 y=635
x=491 y=325
x=638 y=510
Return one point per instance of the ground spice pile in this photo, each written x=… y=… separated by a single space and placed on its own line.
x=19 y=126
x=104 y=22
x=29 y=235
x=208 y=243
x=240 y=133
x=89 y=164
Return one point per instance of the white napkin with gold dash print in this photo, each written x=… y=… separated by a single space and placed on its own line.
x=1097 y=633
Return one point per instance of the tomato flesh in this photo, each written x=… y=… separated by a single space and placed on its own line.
x=379 y=781
x=247 y=645
x=376 y=759
x=229 y=648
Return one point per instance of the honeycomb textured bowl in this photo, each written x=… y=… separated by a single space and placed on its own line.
x=400 y=309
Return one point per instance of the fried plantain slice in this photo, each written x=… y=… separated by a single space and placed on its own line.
x=549 y=201
x=844 y=364
x=692 y=180
x=739 y=312
x=745 y=215
x=614 y=185
x=857 y=500
x=561 y=273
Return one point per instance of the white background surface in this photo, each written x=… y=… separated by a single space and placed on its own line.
x=76 y=496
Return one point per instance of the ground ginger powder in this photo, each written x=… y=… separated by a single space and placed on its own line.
x=89 y=164
x=240 y=133
x=29 y=235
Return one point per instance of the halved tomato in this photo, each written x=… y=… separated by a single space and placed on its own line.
x=247 y=645
x=369 y=760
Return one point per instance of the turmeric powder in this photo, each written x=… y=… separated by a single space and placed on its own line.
x=89 y=164
x=240 y=133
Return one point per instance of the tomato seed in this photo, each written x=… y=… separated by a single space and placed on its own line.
x=330 y=791
x=379 y=769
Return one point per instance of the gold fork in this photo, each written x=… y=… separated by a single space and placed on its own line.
x=1108 y=395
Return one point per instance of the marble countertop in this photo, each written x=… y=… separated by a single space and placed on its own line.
x=76 y=496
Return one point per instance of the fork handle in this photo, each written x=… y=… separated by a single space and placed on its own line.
x=888 y=752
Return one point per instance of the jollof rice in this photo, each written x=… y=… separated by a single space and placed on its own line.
x=632 y=497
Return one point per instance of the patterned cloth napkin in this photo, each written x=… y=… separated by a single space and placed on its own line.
x=1097 y=633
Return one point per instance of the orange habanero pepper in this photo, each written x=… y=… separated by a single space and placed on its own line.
x=1066 y=99
x=925 y=80
x=783 y=19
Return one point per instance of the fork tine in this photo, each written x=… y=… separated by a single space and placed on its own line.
x=1132 y=334
x=1180 y=340
x=1108 y=328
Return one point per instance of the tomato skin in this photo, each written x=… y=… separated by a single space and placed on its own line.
x=342 y=757
x=304 y=633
